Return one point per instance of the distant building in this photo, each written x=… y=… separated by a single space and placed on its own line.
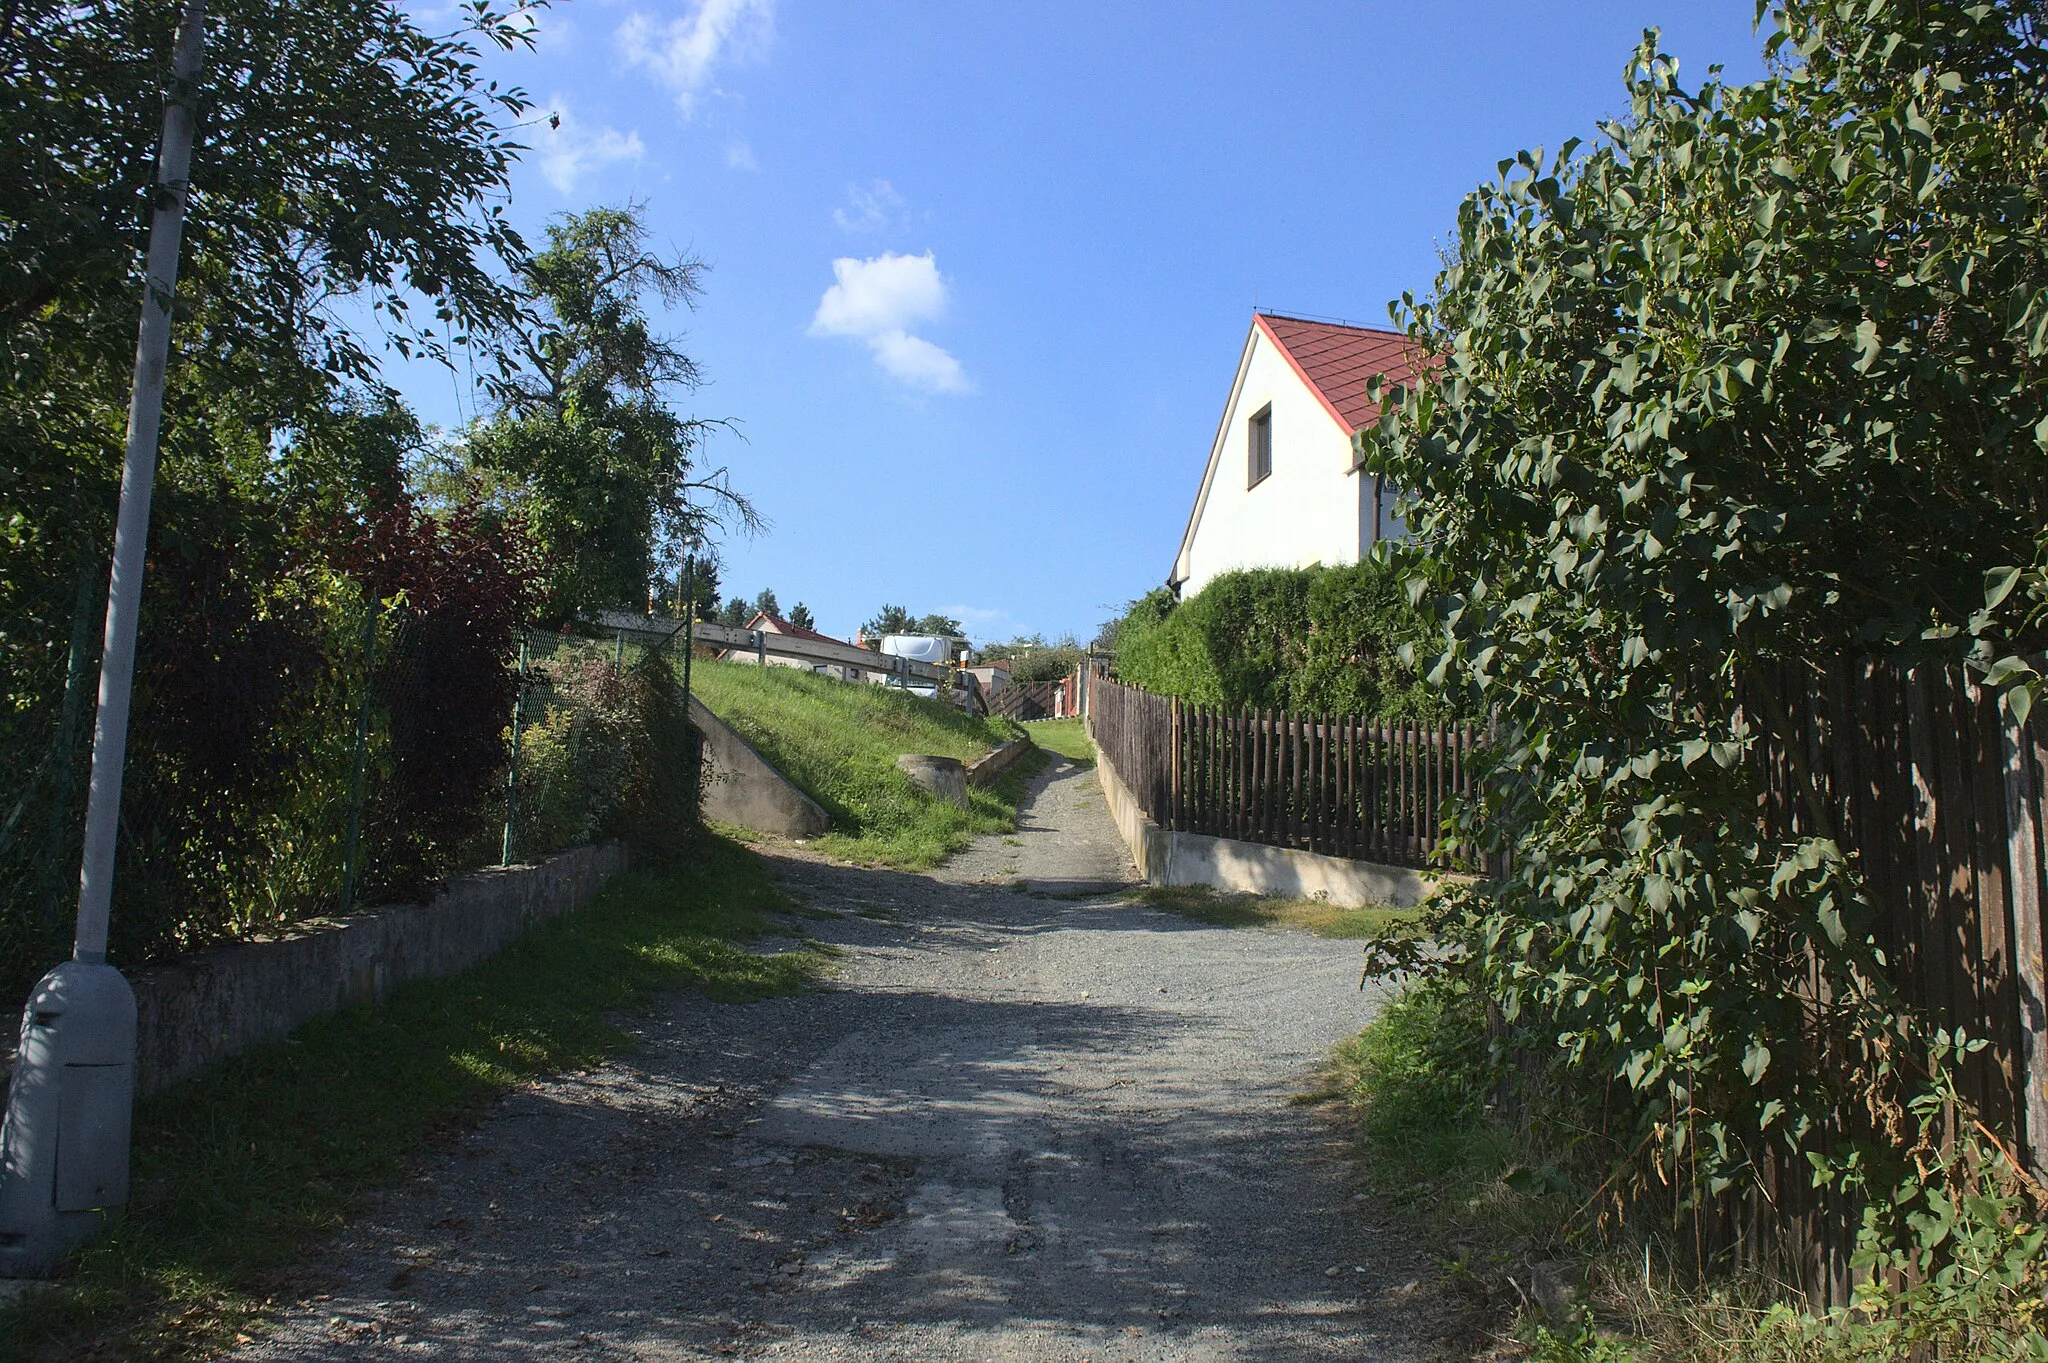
x=1281 y=488
x=775 y=624
x=994 y=676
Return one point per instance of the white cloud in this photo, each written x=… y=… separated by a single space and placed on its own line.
x=917 y=362
x=739 y=155
x=568 y=150
x=684 y=52
x=878 y=301
x=868 y=207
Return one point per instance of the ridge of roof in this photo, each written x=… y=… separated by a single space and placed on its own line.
x=783 y=626
x=1338 y=361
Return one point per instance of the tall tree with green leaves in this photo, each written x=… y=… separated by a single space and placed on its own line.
x=586 y=441
x=349 y=162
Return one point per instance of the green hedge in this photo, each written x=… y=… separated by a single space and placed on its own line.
x=1342 y=640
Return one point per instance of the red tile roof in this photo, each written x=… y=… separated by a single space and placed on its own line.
x=1338 y=361
x=775 y=624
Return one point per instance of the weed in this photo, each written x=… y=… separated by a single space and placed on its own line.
x=1321 y=917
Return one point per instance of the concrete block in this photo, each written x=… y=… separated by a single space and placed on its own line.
x=992 y=764
x=944 y=777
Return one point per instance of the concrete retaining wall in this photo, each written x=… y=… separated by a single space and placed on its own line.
x=211 y=1005
x=993 y=763
x=1165 y=857
x=741 y=788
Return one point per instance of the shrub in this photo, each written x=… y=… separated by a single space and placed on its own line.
x=1336 y=640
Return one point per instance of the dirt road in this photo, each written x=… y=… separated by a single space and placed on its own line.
x=1024 y=1122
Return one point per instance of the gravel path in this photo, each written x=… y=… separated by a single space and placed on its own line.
x=1024 y=1122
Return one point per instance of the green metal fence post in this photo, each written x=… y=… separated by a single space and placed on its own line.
x=356 y=780
x=512 y=770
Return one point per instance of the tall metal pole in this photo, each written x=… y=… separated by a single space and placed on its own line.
x=138 y=481
x=689 y=623
x=74 y=1072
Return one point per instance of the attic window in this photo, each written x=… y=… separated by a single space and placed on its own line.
x=1259 y=447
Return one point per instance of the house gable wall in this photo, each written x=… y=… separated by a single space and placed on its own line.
x=1305 y=512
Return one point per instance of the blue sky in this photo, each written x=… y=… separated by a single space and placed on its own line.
x=980 y=272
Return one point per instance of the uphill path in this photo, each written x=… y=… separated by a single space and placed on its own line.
x=1025 y=1120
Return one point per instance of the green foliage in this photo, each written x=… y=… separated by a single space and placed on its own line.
x=1421 y=1076
x=1578 y=1342
x=897 y=620
x=1318 y=916
x=1033 y=661
x=800 y=616
x=344 y=153
x=838 y=742
x=238 y=1169
x=584 y=444
x=605 y=751
x=766 y=604
x=1754 y=382
x=1313 y=640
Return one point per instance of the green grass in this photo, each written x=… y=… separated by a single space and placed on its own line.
x=839 y=741
x=1324 y=919
x=236 y=1170
x=1063 y=736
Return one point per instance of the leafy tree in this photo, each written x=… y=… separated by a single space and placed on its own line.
x=704 y=577
x=1756 y=381
x=765 y=602
x=898 y=620
x=584 y=440
x=800 y=616
x=736 y=613
x=348 y=163
x=889 y=620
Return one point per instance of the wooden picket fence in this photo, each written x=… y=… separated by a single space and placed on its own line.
x=1925 y=780
x=1345 y=786
x=1024 y=700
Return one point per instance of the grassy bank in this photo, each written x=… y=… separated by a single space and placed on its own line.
x=1320 y=917
x=237 y=1170
x=1063 y=736
x=839 y=741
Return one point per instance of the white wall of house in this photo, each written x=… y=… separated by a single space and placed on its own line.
x=1306 y=511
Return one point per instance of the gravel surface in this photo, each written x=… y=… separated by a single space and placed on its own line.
x=1024 y=1121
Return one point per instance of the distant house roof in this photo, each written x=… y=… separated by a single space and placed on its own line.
x=775 y=624
x=1003 y=663
x=1337 y=361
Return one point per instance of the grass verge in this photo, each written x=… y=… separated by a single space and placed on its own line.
x=1504 y=1207
x=1320 y=917
x=236 y=1170
x=1063 y=736
x=838 y=742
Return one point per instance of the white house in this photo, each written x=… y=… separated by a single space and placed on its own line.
x=775 y=624
x=1281 y=489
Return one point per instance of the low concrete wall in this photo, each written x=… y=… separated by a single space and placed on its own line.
x=208 y=1006
x=741 y=788
x=993 y=763
x=1165 y=857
